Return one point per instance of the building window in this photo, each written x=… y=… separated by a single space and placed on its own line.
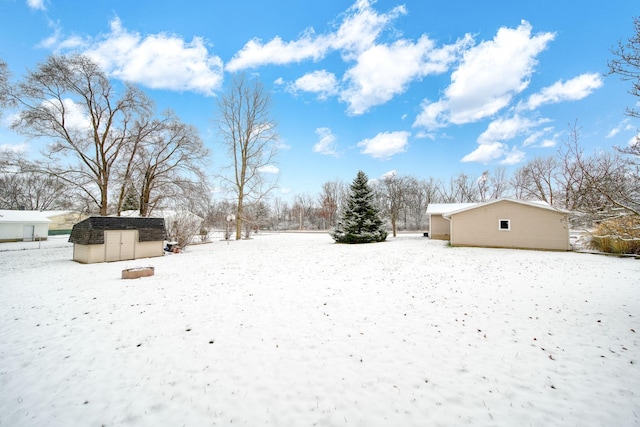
x=504 y=224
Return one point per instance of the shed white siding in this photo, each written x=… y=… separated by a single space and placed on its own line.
x=23 y=226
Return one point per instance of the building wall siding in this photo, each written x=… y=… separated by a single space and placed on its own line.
x=530 y=227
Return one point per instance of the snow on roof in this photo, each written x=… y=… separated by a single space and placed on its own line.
x=8 y=216
x=442 y=208
x=536 y=204
x=447 y=209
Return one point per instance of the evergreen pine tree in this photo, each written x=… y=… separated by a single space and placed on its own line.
x=360 y=221
x=131 y=201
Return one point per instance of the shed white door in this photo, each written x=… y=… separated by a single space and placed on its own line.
x=28 y=233
x=119 y=245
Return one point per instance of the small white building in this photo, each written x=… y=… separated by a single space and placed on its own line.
x=27 y=226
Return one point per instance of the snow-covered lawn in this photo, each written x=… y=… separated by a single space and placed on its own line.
x=294 y=330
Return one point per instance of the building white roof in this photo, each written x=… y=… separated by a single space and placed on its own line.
x=7 y=216
x=535 y=204
x=443 y=208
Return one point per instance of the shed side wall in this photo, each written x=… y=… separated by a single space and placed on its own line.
x=530 y=227
x=438 y=227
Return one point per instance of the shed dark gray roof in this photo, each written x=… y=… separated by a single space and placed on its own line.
x=91 y=230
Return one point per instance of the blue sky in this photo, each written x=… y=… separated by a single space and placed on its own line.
x=423 y=88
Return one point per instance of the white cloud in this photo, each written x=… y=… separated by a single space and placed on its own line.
x=384 y=71
x=380 y=72
x=36 y=4
x=58 y=42
x=321 y=82
x=506 y=129
x=327 y=143
x=392 y=173
x=276 y=51
x=385 y=144
x=361 y=27
x=269 y=169
x=571 y=90
x=359 y=30
x=622 y=126
x=513 y=157
x=74 y=117
x=14 y=148
x=486 y=153
x=157 y=61
x=487 y=79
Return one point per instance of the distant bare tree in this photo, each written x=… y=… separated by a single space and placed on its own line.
x=330 y=201
x=499 y=183
x=421 y=192
x=249 y=133
x=461 y=189
x=25 y=188
x=278 y=208
x=393 y=196
x=303 y=207
x=537 y=180
x=492 y=186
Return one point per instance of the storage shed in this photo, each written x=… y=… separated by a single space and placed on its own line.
x=19 y=226
x=509 y=223
x=106 y=239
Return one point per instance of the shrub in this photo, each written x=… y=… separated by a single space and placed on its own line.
x=619 y=235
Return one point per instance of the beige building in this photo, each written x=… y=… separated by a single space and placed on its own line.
x=504 y=223
x=106 y=239
x=62 y=222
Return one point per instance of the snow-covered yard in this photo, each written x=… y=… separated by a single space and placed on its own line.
x=294 y=330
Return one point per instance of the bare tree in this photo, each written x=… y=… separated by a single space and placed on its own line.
x=23 y=187
x=609 y=184
x=182 y=227
x=461 y=189
x=169 y=164
x=249 y=133
x=303 y=207
x=4 y=85
x=393 y=195
x=70 y=102
x=483 y=186
x=626 y=63
x=537 y=180
x=278 y=208
x=330 y=201
x=492 y=186
x=421 y=192
x=499 y=183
